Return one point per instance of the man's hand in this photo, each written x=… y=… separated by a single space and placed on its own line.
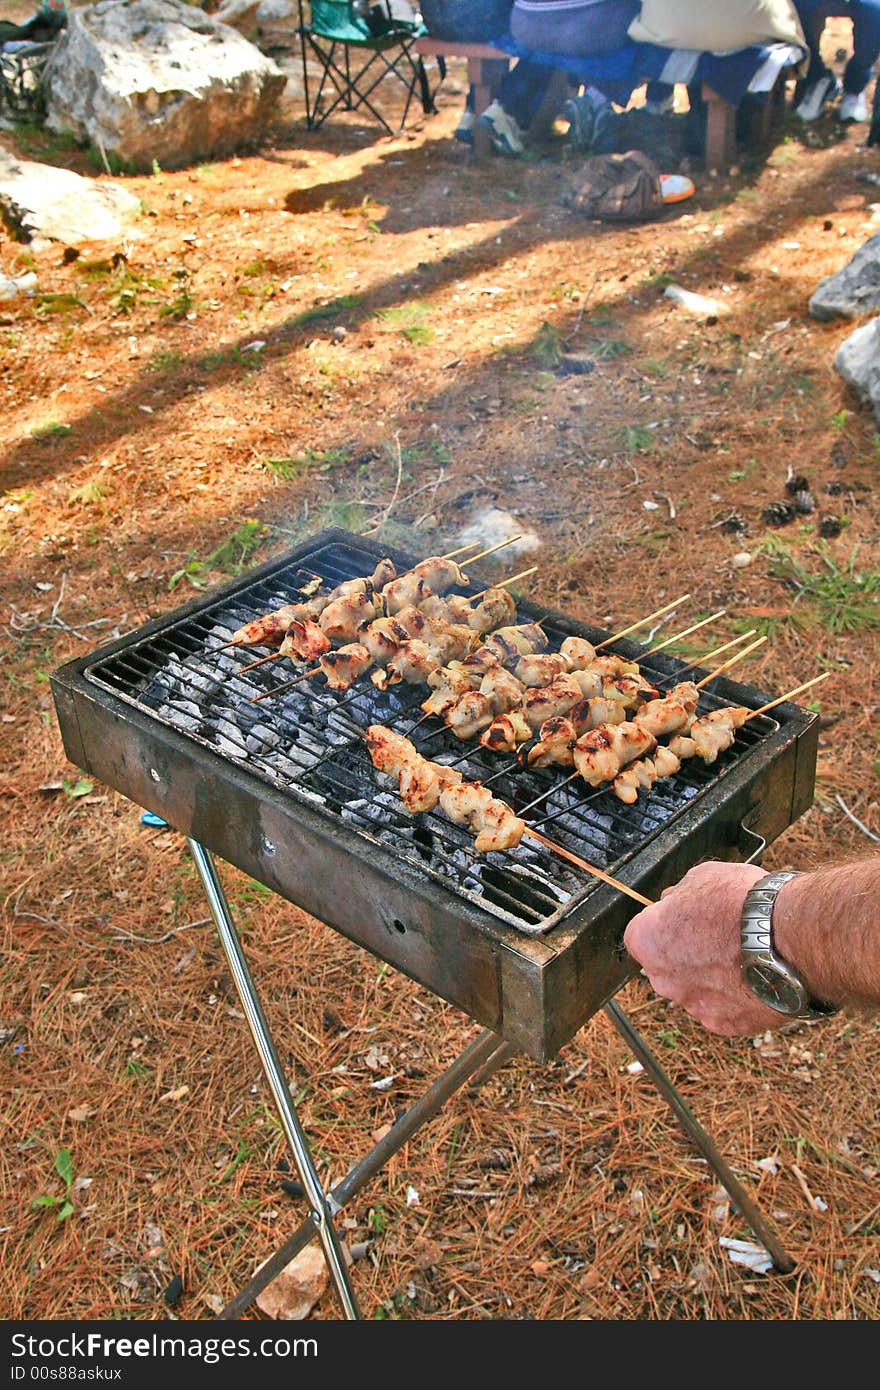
x=688 y=944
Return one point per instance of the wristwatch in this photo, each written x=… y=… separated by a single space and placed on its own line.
x=767 y=975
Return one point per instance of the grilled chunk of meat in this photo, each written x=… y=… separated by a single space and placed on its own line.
x=304 y=640
x=578 y=652
x=550 y=702
x=506 y=732
x=540 y=668
x=600 y=754
x=341 y=619
x=670 y=715
x=643 y=773
x=343 y=665
x=473 y=805
x=432 y=576
x=710 y=735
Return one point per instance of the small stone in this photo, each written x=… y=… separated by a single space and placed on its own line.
x=741 y=560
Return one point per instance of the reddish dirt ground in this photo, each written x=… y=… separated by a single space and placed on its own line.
x=344 y=328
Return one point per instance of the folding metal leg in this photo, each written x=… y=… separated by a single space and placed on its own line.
x=482 y=1056
x=741 y=1199
x=321 y=1217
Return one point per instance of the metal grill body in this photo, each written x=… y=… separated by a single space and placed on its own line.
x=522 y=942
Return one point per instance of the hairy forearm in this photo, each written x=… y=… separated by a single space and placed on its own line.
x=826 y=924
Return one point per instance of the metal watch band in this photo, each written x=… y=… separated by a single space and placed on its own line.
x=760 y=958
x=757 y=913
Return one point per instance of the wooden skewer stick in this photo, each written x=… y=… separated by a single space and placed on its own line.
x=590 y=868
x=492 y=548
x=642 y=622
x=451 y=554
x=731 y=661
x=710 y=656
x=677 y=636
x=472 y=598
x=277 y=689
x=780 y=699
x=273 y=656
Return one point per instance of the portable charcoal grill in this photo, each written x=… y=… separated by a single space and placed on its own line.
x=523 y=942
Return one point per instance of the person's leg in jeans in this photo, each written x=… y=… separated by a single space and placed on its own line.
x=821 y=85
x=865 y=15
x=520 y=95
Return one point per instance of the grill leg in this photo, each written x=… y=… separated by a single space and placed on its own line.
x=751 y=1213
x=478 y=1060
x=320 y=1214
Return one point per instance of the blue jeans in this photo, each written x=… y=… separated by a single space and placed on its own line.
x=865 y=16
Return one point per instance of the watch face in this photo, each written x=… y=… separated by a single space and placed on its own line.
x=772 y=988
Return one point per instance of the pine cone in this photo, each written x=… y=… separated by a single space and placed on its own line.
x=829 y=527
x=804 y=500
x=778 y=514
x=797 y=484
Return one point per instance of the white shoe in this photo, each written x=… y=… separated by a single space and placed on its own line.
x=816 y=97
x=853 y=107
x=504 y=131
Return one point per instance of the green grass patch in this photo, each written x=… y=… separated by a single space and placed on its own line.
x=547 y=348
x=166 y=360
x=47 y=303
x=53 y=430
x=637 y=439
x=410 y=320
x=87 y=495
x=231 y=556
x=842 y=598
x=320 y=312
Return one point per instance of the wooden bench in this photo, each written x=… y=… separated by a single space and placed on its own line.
x=487 y=65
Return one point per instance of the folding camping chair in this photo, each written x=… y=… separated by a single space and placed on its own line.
x=357 y=44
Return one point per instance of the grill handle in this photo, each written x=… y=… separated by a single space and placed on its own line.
x=751 y=844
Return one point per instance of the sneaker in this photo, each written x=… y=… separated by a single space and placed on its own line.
x=674 y=188
x=853 y=107
x=504 y=132
x=464 y=131
x=816 y=96
x=590 y=121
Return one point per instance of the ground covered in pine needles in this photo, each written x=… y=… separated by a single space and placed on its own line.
x=340 y=328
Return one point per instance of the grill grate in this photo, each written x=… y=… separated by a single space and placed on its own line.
x=307 y=742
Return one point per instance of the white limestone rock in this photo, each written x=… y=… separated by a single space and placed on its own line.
x=858 y=361
x=42 y=204
x=158 y=81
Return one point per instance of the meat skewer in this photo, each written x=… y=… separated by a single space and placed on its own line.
x=384 y=638
x=423 y=785
x=659 y=718
x=593 y=759
x=551 y=692
x=271 y=628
